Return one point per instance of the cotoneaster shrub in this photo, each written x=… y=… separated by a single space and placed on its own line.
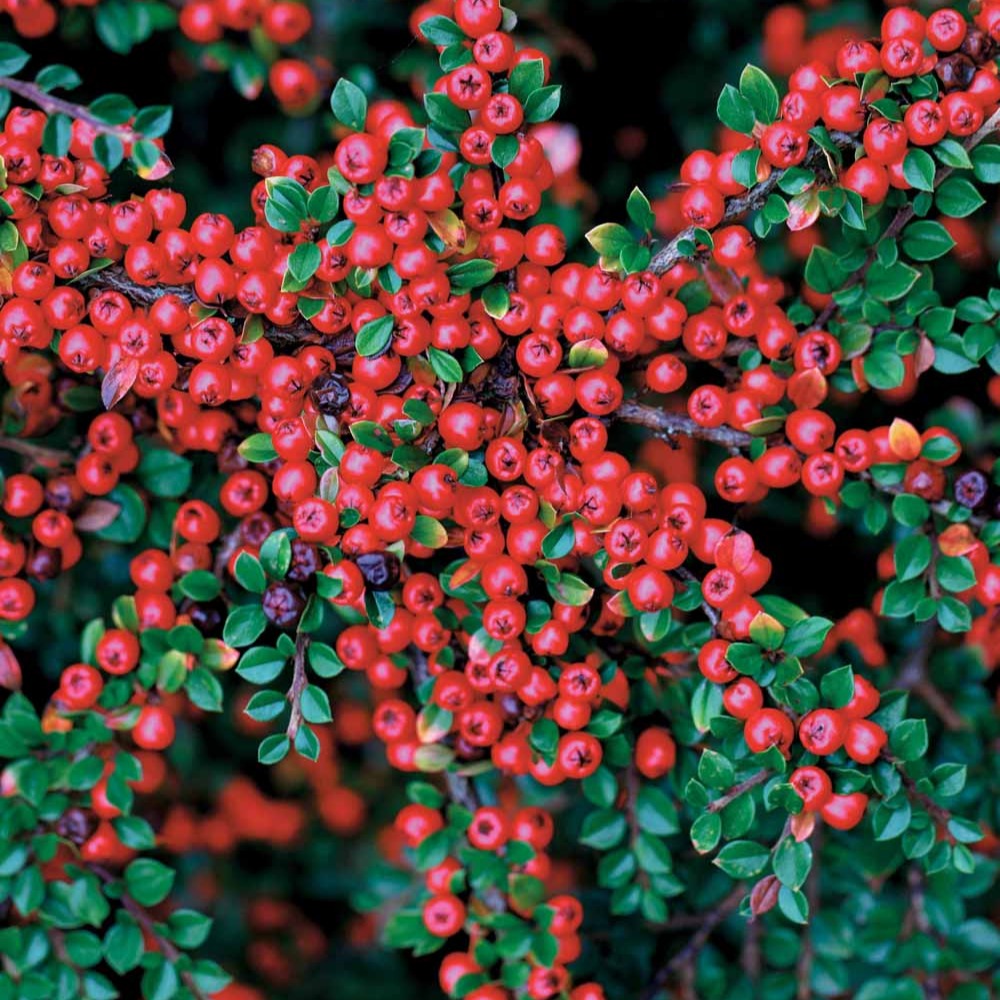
x=450 y=496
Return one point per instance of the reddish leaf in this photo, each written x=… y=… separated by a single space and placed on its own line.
x=10 y=669
x=96 y=515
x=120 y=378
x=764 y=895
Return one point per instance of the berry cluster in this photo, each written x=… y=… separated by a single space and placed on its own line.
x=384 y=432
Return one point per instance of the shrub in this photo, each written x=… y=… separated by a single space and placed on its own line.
x=433 y=482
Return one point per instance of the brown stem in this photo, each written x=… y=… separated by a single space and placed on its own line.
x=669 y=425
x=299 y=682
x=804 y=965
x=736 y=791
x=751 y=199
x=684 y=960
x=712 y=614
x=458 y=787
x=915 y=677
x=116 y=278
x=39 y=454
x=918 y=910
x=60 y=106
x=938 y=813
x=167 y=948
x=902 y=217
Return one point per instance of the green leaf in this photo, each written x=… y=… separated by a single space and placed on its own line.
x=958 y=198
x=919 y=169
x=825 y=271
x=655 y=812
x=265 y=706
x=955 y=573
x=12 y=59
x=542 y=104
x=890 y=282
x=273 y=749
x=908 y=739
x=315 y=705
x=743 y=859
x=188 y=928
x=609 y=239
x=58 y=77
x=324 y=660
x=375 y=336
x=986 y=163
x=303 y=262
x=640 y=211
x=471 y=273
x=793 y=905
x=760 y=93
x=926 y=240
x=123 y=946
x=734 y=110
x=249 y=573
x=603 y=829
x=349 y=104
x=287 y=205
x=204 y=690
x=806 y=637
x=526 y=77
x=559 y=541
x=444 y=114
x=165 y=473
x=714 y=770
x=440 y=30
x=147 y=881
x=445 y=366
x=883 y=369
x=244 y=625
x=792 y=861
x=837 y=686
x=705 y=832
x=911 y=556
x=405 y=145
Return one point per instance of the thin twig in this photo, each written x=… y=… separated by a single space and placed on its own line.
x=918 y=908
x=671 y=425
x=915 y=677
x=712 y=614
x=458 y=787
x=751 y=200
x=167 y=948
x=902 y=217
x=736 y=791
x=688 y=955
x=299 y=682
x=115 y=277
x=804 y=965
x=937 y=812
x=53 y=105
x=40 y=454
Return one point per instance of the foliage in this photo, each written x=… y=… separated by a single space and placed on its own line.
x=388 y=483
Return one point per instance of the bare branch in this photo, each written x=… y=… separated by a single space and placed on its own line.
x=299 y=682
x=668 y=424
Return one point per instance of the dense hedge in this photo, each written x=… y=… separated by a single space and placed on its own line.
x=411 y=583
